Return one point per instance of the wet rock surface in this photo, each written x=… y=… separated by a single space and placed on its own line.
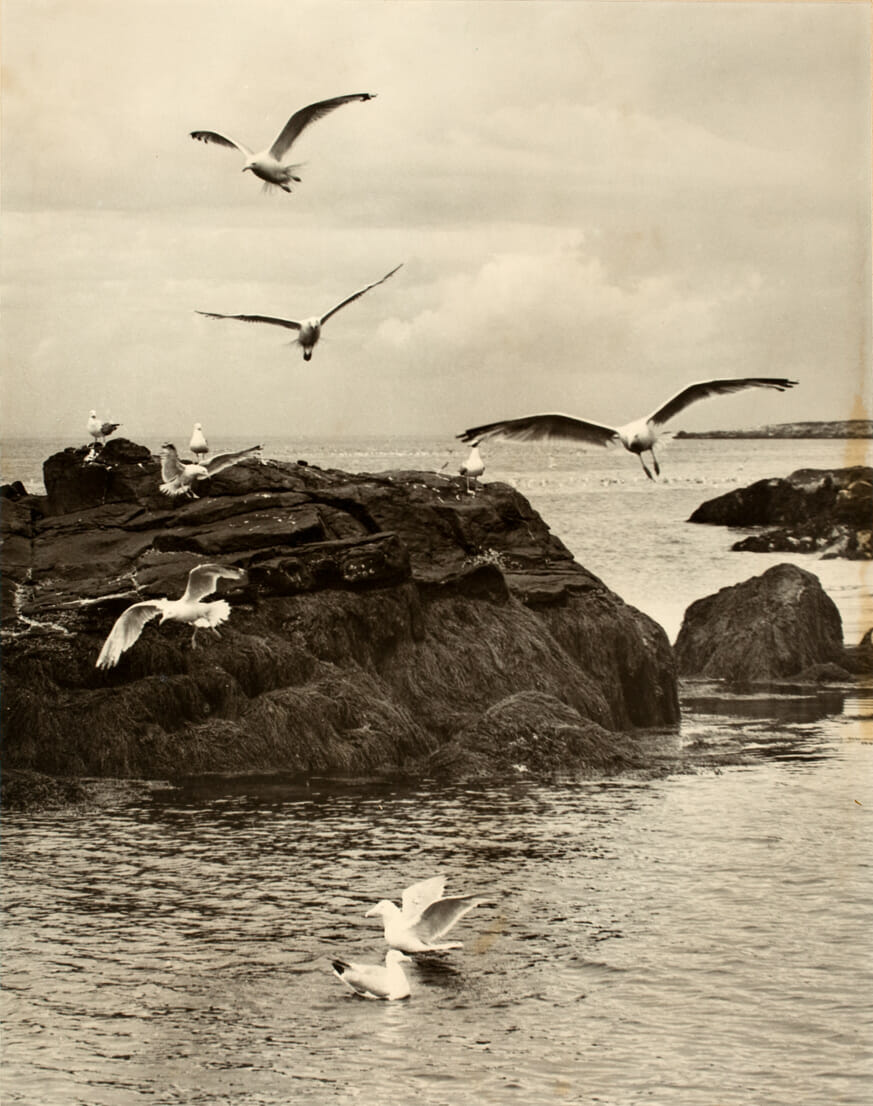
x=777 y=625
x=383 y=615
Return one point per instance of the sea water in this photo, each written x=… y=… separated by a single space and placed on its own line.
x=696 y=936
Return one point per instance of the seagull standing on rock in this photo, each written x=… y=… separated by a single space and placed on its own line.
x=424 y=917
x=373 y=980
x=474 y=465
x=638 y=436
x=198 y=444
x=190 y=608
x=100 y=430
x=267 y=165
x=309 y=329
x=179 y=476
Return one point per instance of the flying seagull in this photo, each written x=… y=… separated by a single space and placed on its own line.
x=190 y=608
x=310 y=329
x=100 y=430
x=179 y=476
x=374 y=981
x=198 y=444
x=474 y=465
x=267 y=165
x=638 y=436
x=424 y=918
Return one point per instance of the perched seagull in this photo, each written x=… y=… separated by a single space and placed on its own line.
x=474 y=465
x=310 y=329
x=100 y=430
x=425 y=917
x=638 y=436
x=179 y=476
x=374 y=981
x=198 y=444
x=202 y=581
x=267 y=165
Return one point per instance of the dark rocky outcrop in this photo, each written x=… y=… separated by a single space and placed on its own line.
x=815 y=510
x=840 y=428
x=383 y=617
x=773 y=626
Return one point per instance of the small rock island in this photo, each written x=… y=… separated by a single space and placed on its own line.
x=386 y=621
x=829 y=511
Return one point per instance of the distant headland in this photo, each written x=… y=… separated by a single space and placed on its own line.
x=851 y=428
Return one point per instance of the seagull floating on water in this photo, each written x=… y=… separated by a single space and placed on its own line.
x=198 y=444
x=267 y=165
x=474 y=465
x=638 y=436
x=190 y=608
x=373 y=980
x=179 y=476
x=424 y=918
x=310 y=329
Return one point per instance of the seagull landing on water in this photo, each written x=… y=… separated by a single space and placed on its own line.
x=474 y=465
x=198 y=444
x=639 y=436
x=374 y=981
x=267 y=165
x=424 y=918
x=190 y=608
x=179 y=476
x=310 y=329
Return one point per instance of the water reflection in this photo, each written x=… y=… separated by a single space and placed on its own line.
x=680 y=938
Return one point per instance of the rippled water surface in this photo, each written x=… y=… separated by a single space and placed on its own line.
x=701 y=937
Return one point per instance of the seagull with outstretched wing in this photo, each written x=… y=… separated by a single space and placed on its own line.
x=190 y=608
x=268 y=164
x=309 y=331
x=638 y=436
x=179 y=476
x=424 y=918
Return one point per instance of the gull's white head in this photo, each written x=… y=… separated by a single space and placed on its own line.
x=394 y=956
x=382 y=909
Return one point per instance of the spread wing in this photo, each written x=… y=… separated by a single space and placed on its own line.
x=170 y=468
x=300 y=120
x=225 y=460
x=203 y=580
x=357 y=295
x=128 y=626
x=216 y=139
x=421 y=895
x=705 y=388
x=440 y=916
x=534 y=428
x=289 y=324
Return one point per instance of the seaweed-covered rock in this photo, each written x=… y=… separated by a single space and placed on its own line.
x=813 y=510
x=381 y=616
x=767 y=628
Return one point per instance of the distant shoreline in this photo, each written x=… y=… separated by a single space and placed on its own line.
x=852 y=428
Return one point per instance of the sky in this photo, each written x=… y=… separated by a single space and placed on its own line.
x=594 y=205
